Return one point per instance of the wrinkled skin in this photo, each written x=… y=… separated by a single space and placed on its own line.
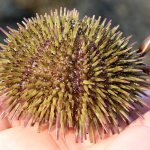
x=13 y=136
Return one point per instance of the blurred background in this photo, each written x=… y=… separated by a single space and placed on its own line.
x=133 y=16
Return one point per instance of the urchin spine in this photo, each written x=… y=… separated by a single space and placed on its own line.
x=71 y=73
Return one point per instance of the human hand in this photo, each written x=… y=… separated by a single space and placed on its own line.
x=15 y=137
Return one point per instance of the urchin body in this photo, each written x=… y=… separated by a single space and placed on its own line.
x=71 y=73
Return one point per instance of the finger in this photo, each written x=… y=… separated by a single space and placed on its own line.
x=4 y=123
x=135 y=138
x=134 y=134
x=145 y=46
x=19 y=138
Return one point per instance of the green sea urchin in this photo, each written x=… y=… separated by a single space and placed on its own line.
x=71 y=73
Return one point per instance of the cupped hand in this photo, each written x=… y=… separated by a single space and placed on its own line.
x=13 y=136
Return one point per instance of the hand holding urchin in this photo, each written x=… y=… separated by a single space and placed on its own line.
x=71 y=73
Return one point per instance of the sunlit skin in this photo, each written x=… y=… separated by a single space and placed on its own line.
x=14 y=136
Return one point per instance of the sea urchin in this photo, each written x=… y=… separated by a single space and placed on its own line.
x=68 y=72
